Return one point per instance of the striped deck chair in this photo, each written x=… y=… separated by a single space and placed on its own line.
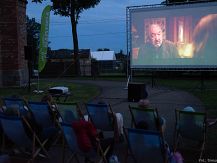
x=145 y=146
x=13 y=127
x=148 y=115
x=191 y=126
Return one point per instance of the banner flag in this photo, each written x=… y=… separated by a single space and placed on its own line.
x=45 y=20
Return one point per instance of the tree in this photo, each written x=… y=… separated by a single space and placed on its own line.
x=33 y=32
x=72 y=9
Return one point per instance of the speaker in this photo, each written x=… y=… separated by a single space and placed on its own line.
x=136 y=91
x=28 y=50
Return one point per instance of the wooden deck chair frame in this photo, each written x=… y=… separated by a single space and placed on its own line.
x=18 y=122
x=141 y=133
x=47 y=121
x=152 y=111
x=70 y=141
x=179 y=135
x=61 y=117
x=32 y=108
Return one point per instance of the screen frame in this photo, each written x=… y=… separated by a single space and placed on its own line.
x=158 y=7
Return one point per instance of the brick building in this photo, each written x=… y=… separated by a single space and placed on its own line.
x=13 y=66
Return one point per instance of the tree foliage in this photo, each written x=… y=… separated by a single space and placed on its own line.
x=72 y=9
x=33 y=34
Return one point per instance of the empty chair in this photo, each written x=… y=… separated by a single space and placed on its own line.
x=145 y=146
x=191 y=126
x=96 y=153
x=13 y=127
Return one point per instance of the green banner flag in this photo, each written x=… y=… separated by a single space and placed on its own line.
x=45 y=20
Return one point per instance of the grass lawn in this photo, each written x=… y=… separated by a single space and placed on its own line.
x=80 y=92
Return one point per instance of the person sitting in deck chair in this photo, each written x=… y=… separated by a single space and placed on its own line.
x=145 y=103
x=87 y=137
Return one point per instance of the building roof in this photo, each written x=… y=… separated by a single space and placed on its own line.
x=68 y=53
x=103 y=55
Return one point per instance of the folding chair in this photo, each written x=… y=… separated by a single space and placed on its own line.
x=190 y=126
x=102 y=117
x=69 y=112
x=17 y=103
x=13 y=127
x=145 y=146
x=43 y=117
x=148 y=115
x=70 y=140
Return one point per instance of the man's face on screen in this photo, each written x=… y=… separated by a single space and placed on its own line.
x=156 y=35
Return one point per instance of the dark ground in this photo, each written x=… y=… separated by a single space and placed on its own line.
x=164 y=99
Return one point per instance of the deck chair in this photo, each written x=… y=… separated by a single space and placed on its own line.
x=43 y=117
x=191 y=126
x=71 y=141
x=145 y=146
x=15 y=103
x=69 y=112
x=13 y=127
x=148 y=115
x=102 y=117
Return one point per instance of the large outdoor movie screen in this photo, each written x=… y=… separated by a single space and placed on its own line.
x=181 y=36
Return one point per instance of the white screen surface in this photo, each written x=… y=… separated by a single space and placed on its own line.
x=182 y=36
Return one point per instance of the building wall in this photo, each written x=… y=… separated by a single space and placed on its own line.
x=13 y=66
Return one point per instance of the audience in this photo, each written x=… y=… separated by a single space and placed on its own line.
x=145 y=103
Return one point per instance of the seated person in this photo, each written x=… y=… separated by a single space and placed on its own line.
x=210 y=121
x=145 y=103
x=87 y=137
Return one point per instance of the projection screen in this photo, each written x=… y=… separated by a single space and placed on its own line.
x=179 y=36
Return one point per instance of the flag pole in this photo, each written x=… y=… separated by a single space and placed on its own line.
x=45 y=20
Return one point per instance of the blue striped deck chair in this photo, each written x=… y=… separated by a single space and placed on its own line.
x=101 y=115
x=42 y=113
x=13 y=127
x=145 y=146
x=43 y=117
x=190 y=126
x=70 y=140
x=17 y=103
x=148 y=115
x=69 y=112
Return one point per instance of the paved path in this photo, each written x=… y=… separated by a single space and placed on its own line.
x=164 y=99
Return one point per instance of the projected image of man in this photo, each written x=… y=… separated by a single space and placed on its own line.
x=156 y=47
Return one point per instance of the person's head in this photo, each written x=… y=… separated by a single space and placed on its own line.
x=189 y=109
x=155 y=35
x=144 y=103
x=204 y=35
